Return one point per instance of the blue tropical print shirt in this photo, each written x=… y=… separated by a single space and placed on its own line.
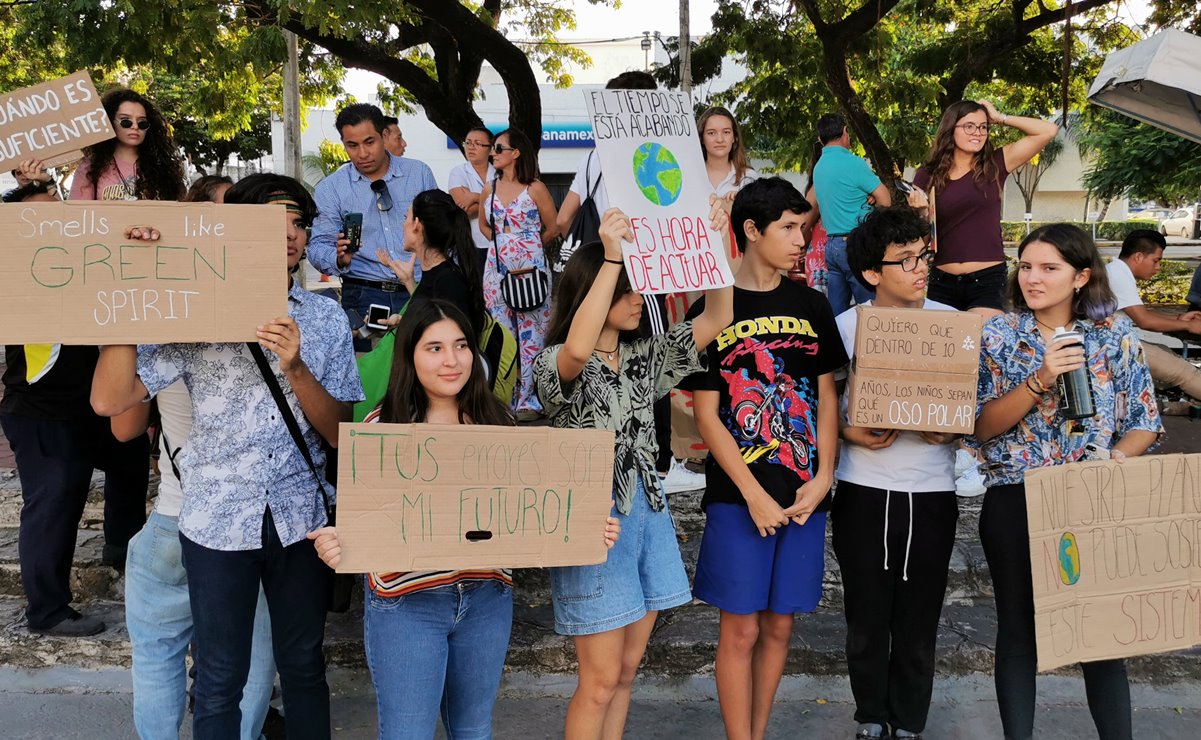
x=239 y=458
x=1011 y=348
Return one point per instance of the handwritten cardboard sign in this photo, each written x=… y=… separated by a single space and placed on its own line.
x=437 y=497
x=1115 y=553
x=51 y=121
x=71 y=276
x=651 y=157
x=915 y=369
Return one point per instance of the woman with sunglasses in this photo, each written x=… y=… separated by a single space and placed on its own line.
x=467 y=183
x=139 y=164
x=519 y=219
x=965 y=179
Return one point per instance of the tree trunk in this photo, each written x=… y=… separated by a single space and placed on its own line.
x=835 y=39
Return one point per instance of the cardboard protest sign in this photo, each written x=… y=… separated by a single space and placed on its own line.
x=1115 y=554
x=651 y=157
x=438 y=497
x=72 y=277
x=915 y=369
x=51 y=121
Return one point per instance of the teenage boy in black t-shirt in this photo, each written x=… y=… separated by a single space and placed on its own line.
x=768 y=410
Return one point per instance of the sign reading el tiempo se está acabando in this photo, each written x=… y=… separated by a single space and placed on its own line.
x=650 y=155
x=51 y=121
x=216 y=273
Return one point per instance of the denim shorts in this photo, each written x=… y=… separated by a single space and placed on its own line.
x=740 y=572
x=980 y=289
x=644 y=573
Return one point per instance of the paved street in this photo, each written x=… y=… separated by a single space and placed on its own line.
x=75 y=702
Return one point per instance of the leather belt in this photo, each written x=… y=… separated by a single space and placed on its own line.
x=388 y=286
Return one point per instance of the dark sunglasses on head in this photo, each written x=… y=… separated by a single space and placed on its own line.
x=129 y=123
x=383 y=198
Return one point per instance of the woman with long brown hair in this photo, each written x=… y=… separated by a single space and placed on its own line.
x=964 y=177
x=140 y=163
x=725 y=155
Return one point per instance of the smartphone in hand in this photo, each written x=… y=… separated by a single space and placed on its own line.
x=377 y=315
x=352 y=229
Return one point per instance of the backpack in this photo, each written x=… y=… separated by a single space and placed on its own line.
x=585 y=227
x=498 y=349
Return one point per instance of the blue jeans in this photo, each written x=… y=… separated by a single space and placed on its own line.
x=843 y=285
x=223 y=586
x=358 y=298
x=441 y=650
x=159 y=618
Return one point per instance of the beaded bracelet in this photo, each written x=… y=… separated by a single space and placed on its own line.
x=1038 y=383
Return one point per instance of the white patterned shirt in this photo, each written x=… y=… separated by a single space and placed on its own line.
x=239 y=458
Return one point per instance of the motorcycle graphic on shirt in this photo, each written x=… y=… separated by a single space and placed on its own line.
x=771 y=418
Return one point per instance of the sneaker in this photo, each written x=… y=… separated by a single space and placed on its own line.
x=679 y=479
x=968 y=479
x=75 y=625
x=870 y=731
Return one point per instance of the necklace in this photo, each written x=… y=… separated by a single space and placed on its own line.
x=608 y=353
x=129 y=192
x=1044 y=324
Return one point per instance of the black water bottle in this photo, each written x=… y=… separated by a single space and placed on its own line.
x=1075 y=387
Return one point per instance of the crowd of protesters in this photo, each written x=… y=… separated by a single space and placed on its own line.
x=234 y=562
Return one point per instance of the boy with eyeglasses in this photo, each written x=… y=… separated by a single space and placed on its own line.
x=894 y=510
x=380 y=186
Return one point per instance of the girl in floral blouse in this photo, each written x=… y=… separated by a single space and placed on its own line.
x=596 y=373
x=1060 y=281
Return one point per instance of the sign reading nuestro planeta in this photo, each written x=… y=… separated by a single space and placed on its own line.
x=1115 y=557
x=439 y=497
x=216 y=273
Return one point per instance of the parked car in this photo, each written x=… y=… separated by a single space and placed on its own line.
x=1180 y=223
x=1154 y=213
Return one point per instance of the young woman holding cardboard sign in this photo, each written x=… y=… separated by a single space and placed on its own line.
x=596 y=373
x=1060 y=282
x=436 y=640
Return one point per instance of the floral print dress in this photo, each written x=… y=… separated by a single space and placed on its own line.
x=517 y=244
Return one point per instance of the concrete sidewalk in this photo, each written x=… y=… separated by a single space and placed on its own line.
x=70 y=704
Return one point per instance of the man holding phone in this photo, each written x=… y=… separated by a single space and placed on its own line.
x=369 y=195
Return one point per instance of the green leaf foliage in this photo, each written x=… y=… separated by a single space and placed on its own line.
x=1129 y=158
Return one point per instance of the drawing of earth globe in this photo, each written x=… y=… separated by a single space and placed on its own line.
x=657 y=173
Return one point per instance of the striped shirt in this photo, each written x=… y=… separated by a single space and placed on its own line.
x=402 y=584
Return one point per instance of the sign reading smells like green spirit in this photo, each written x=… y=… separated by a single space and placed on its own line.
x=438 y=497
x=72 y=277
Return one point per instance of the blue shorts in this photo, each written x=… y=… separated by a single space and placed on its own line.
x=740 y=572
x=644 y=573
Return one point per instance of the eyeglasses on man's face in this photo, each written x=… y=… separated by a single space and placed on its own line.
x=909 y=264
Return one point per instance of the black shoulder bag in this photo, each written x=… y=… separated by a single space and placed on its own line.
x=342 y=583
x=524 y=289
x=585 y=227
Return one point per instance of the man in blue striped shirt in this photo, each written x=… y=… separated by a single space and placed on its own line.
x=379 y=186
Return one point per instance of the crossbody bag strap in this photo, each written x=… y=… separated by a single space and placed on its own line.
x=500 y=268
x=289 y=418
x=588 y=177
